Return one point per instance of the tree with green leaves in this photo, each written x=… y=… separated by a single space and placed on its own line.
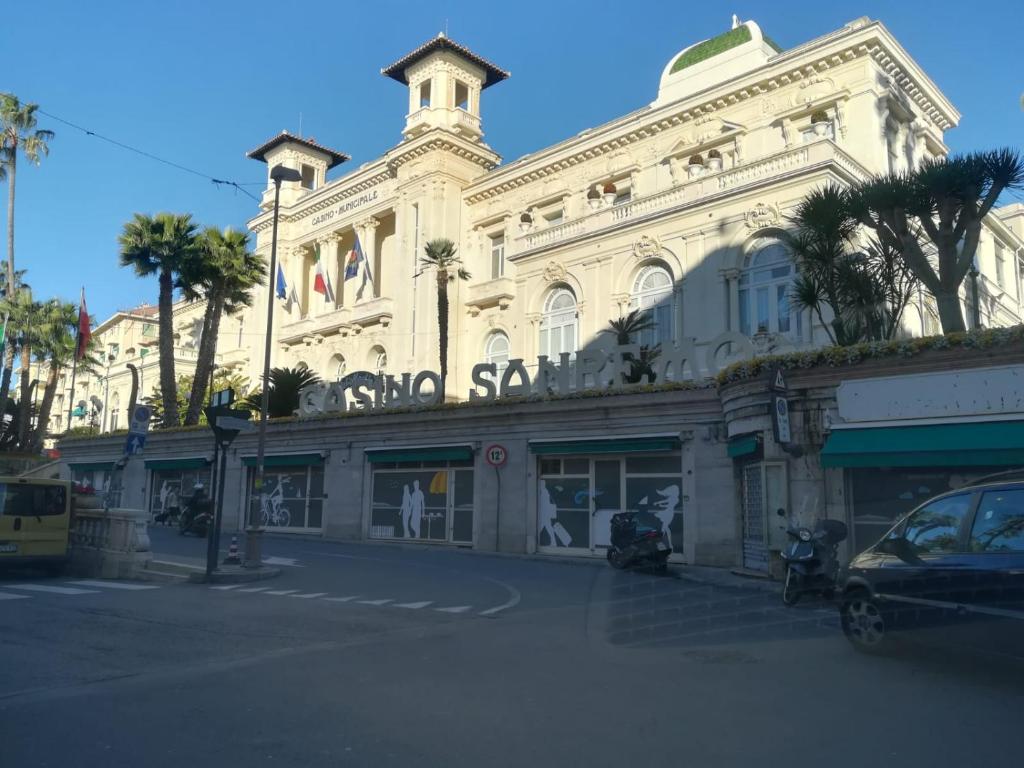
x=224 y=276
x=627 y=330
x=285 y=386
x=25 y=320
x=165 y=245
x=57 y=344
x=222 y=379
x=440 y=254
x=932 y=217
x=10 y=339
x=866 y=290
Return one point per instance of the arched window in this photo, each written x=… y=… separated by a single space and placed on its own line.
x=765 y=285
x=378 y=360
x=652 y=291
x=336 y=368
x=558 y=326
x=496 y=351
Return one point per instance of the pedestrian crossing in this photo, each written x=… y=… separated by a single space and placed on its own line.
x=376 y=602
x=69 y=588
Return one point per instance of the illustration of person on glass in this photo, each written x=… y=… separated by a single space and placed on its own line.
x=406 y=510
x=417 y=505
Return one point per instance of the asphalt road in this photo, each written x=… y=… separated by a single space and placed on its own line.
x=371 y=655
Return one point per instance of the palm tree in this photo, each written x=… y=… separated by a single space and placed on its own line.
x=57 y=345
x=626 y=331
x=933 y=218
x=225 y=275
x=10 y=340
x=440 y=254
x=285 y=386
x=222 y=379
x=18 y=132
x=164 y=245
x=26 y=328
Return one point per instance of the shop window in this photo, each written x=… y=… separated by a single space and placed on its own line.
x=294 y=498
x=764 y=289
x=424 y=502
x=308 y=176
x=169 y=489
x=425 y=94
x=496 y=351
x=461 y=95
x=999 y=523
x=497 y=243
x=652 y=292
x=559 y=324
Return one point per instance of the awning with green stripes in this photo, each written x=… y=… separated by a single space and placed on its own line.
x=445 y=453
x=193 y=462
x=742 y=446
x=91 y=466
x=620 y=445
x=287 y=460
x=989 y=443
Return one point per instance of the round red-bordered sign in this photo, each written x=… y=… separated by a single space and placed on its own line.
x=496 y=455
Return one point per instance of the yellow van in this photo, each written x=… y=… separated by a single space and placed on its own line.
x=35 y=517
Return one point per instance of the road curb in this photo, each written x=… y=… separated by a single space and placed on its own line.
x=236 y=575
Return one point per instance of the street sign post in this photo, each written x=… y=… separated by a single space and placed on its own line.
x=496 y=455
x=226 y=423
x=780 y=420
x=138 y=427
x=777 y=380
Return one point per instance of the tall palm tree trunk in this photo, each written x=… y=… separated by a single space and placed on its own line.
x=43 y=419
x=204 y=362
x=11 y=173
x=951 y=315
x=442 y=326
x=5 y=382
x=25 y=406
x=168 y=384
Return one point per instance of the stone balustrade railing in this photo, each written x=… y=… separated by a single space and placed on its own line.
x=111 y=543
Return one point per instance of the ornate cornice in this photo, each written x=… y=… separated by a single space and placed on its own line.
x=440 y=139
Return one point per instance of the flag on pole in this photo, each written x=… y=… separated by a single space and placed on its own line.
x=322 y=280
x=282 y=286
x=84 y=329
x=355 y=256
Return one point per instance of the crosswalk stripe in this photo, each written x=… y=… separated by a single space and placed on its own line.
x=226 y=587
x=455 y=609
x=341 y=599
x=375 y=602
x=282 y=591
x=8 y=596
x=254 y=589
x=52 y=590
x=310 y=595
x=421 y=604
x=114 y=585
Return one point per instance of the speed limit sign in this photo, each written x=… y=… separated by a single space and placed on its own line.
x=496 y=455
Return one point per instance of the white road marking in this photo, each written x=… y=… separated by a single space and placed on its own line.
x=311 y=595
x=375 y=602
x=53 y=590
x=291 y=562
x=113 y=585
x=341 y=599
x=227 y=587
x=421 y=604
x=282 y=591
x=455 y=609
x=7 y=596
x=512 y=602
x=254 y=589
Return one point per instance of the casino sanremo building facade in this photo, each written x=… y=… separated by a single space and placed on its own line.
x=676 y=208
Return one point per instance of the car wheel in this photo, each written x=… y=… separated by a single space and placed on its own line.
x=863 y=623
x=791 y=589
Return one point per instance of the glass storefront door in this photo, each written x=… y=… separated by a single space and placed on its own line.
x=423 y=501
x=577 y=497
x=294 y=499
x=169 y=489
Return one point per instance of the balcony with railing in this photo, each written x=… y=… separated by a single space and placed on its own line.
x=499 y=291
x=705 y=186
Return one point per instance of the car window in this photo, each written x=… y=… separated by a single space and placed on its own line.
x=936 y=526
x=999 y=524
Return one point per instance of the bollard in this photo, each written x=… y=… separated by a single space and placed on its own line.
x=233 y=558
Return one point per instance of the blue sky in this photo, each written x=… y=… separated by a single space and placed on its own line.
x=202 y=82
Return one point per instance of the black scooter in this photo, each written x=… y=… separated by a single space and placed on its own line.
x=812 y=560
x=637 y=539
x=196 y=516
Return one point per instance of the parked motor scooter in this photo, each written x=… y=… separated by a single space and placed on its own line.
x=197 y=514
x=812 y=560
x=637 y=539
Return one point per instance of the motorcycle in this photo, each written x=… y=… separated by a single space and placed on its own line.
x=812 y=560
x=637 y=540
x=197 y=516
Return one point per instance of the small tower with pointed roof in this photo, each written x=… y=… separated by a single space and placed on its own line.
x=310 y=159
x=445 y=80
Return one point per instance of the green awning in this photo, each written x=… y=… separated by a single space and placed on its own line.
x=988 y=443
x=447 y=453
x=287 y=460
x=742 y=446
x=195 y=462
x=622 y=445
x=91 y=466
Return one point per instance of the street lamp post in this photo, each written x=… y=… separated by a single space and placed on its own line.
x=253 y=556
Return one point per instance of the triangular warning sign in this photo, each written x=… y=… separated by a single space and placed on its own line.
x=778 y=382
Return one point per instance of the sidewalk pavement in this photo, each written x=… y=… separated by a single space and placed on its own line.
x=193 y=569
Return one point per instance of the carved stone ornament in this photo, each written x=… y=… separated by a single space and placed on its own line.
x=762 y=215
x=554 y=272
x=646 y=247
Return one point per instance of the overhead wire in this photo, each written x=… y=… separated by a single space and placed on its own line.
x=217 y=182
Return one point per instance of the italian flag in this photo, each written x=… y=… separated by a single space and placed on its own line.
x=322 y=280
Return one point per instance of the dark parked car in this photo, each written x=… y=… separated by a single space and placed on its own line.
x=953 y=569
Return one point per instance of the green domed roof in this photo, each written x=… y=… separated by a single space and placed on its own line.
x=716 y=45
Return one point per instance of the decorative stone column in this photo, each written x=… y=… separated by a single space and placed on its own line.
x=367 y=230
x=731 y=281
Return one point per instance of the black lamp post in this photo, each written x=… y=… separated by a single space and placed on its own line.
x=253 y=556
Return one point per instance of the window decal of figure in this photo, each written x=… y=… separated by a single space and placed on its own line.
x=273 y=510
x=417 y=506
x=546 y=512
x=406 y=510
x=666 y=508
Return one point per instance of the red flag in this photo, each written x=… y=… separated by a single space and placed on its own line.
x=84 y=331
